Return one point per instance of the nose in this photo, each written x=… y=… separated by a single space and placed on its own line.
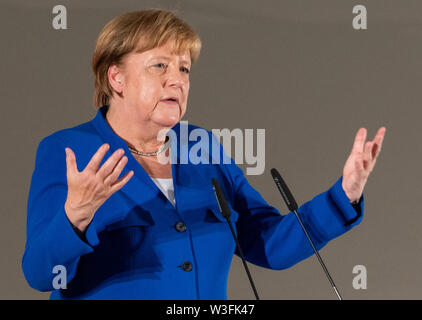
x=175 y=77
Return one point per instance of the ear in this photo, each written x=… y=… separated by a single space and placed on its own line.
x=116 y=78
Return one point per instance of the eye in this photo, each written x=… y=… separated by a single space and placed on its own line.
x=184 y=69
x=161 y=65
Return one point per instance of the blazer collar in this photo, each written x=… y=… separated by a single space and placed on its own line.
x=112 y=138
x=191 y=190
x=140 y=187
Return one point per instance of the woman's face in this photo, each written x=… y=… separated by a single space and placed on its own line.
x=152 y=77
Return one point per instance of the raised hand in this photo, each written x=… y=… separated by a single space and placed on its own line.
x=361 y=162
x=89 y=189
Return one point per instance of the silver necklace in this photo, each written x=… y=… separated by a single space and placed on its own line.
x=151 y=154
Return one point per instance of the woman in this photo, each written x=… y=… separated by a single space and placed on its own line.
x=129 y=226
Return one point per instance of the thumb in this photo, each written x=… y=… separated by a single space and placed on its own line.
x=70 y=162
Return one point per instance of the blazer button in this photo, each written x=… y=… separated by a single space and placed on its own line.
x=187 y=266
x=180 y=226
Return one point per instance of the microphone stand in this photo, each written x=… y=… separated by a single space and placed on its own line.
x=225 y=211
x=292 y=205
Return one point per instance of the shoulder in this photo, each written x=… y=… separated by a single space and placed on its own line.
x=80 y=133
x=83 y=139
x=192 y=133
x=201 y=146
x=184 y=126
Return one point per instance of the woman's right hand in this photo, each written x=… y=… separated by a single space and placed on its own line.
x=89 y=189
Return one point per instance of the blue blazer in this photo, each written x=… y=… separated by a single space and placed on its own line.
x=140 y=246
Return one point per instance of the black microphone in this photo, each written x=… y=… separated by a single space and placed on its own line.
x=225 y=211
x=292 y=205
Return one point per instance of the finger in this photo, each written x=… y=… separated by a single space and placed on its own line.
x=379 y=138
x=96 y=159
x=112 y=177
x=109 y=165
x=374 y=150
x=121 y=182
x=71 y=166
x=358 y=145
x=367 y=156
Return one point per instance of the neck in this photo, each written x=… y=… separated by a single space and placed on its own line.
x=140 y=134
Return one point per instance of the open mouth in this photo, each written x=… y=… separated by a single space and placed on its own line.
x=171 y=100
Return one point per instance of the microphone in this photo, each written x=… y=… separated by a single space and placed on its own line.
x=225 y=211
x=292 y=205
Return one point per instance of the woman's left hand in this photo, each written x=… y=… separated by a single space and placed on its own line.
x=360 y=163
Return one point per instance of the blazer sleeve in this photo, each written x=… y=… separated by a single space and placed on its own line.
x=50 y=239
x=276 y=241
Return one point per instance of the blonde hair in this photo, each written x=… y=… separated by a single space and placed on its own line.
x=121 y=36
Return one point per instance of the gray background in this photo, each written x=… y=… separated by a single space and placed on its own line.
x=295 y=68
